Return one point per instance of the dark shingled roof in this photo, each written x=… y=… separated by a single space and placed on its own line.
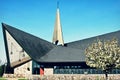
x=44 y=51
x=82 y=44
x=34 y=46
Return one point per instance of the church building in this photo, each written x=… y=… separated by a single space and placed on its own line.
x=28 y=54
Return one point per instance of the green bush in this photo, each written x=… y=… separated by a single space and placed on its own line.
x=1 y=70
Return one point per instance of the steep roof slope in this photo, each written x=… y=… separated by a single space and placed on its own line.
x=82 y=44
x=34 y=46
x=43 y=51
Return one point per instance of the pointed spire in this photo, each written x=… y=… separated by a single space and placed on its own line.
x=57 y=35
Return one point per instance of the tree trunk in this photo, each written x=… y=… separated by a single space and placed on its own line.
x=106 y=75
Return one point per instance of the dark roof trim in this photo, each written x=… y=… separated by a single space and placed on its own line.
x=6 y=45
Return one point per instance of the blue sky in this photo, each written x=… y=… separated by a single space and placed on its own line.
x=79 y=18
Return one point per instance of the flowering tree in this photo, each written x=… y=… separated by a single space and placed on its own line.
x=103 y=55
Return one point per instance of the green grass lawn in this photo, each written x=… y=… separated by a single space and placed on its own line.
x=22 y=79
x=2 y=78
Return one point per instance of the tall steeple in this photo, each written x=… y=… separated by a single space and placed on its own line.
x=57 y=35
